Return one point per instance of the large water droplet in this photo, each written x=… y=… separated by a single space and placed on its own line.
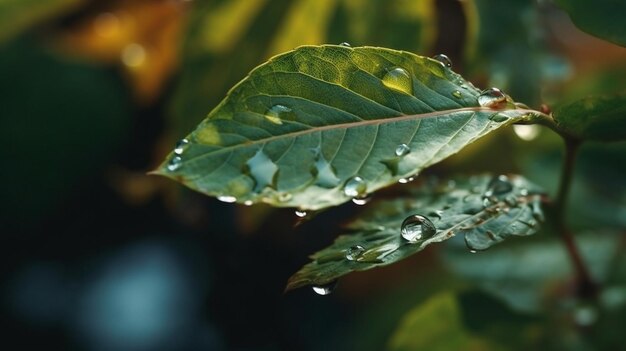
x=499 y=185
x=180 y=146
x=324 y=172
x=262 y=169
x=445 y=60
x=417 y=227
x=346 y=44
x=175 y=163
x=325 y=289
x=276 y=113
x=354 y=252
x=227 y=198
x=398 y=79
x=491 y=98
x=402 y=150
x=355 y=187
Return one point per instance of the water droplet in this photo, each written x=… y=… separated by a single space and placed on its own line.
x=398 y=79
x=361 y=200
x=346 y=44
x=472 y=251
x=227 y=198
x=457 y=94
x=354 y=252
x=417 y=227
x=491 y=97
x=300 y=213
x=499 y=185
x=180 y=146
x=437 y=214
x=526 y=132
x=275 y=113
x=355 y=187
x=248 y=202
x=284 y=197
x=498 y=118
x=324 y=172
x=175 y=163
x=325 y=289
x=262 y=169
x=445 y=60
x=402 y=150
x=406 y=180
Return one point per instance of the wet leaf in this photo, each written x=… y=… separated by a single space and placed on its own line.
x=602 y=18
x=320 y=125
x=597 y=118
x=480 y=208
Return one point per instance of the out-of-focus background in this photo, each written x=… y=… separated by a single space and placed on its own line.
x=96 y=255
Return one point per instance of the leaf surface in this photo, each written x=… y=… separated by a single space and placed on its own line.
x=597 y=118
x=602 y=18
x=486 y=210
x=320 y=125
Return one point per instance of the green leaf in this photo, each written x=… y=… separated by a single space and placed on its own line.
x=597 y=118
x=485 y=210
x=320 y=125
x=602 y=18
x=524 y=275
x=436 y=325
x=18 y=15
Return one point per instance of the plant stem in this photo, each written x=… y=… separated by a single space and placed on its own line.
x=586 y=286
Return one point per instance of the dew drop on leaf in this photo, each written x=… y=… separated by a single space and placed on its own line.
x=346 y=44
x=262 y=169
x=398 y=79
x=354 y=252
x=274 y=113
x=491 y=97
x=417 y=227
x=445 y=60
x=227 y=198
x=402 y=150
x=325 y=289
x=457 y=94
x=175 y=163
x=180 y=146
x=355 y=187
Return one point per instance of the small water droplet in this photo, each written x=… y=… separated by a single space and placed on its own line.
x=346 y=44
x=472 y=251
x=274 y=114
x=355 y=187
x=417 y=227
x=284 y=197
x=402 y=150
x=438 y=214
x=445 y=60
x=300 y=213
x=457 y=94
x=325 y=289
x=498 y=118
x=354 y=252
x=227 y=198
x=526 y=132
x=175 y=163
x=499 y=185
x=361 y=200
x=491 y=98
x=398 y=79
x=248 y=202
x=180 y=146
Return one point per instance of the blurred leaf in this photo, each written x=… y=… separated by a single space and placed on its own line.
x=485 y=210
x=525 y=274
x=436 y=325
x=18 y=15
x=602 y=18
x=598 y=118
x=317 y=126
x=61 y=122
